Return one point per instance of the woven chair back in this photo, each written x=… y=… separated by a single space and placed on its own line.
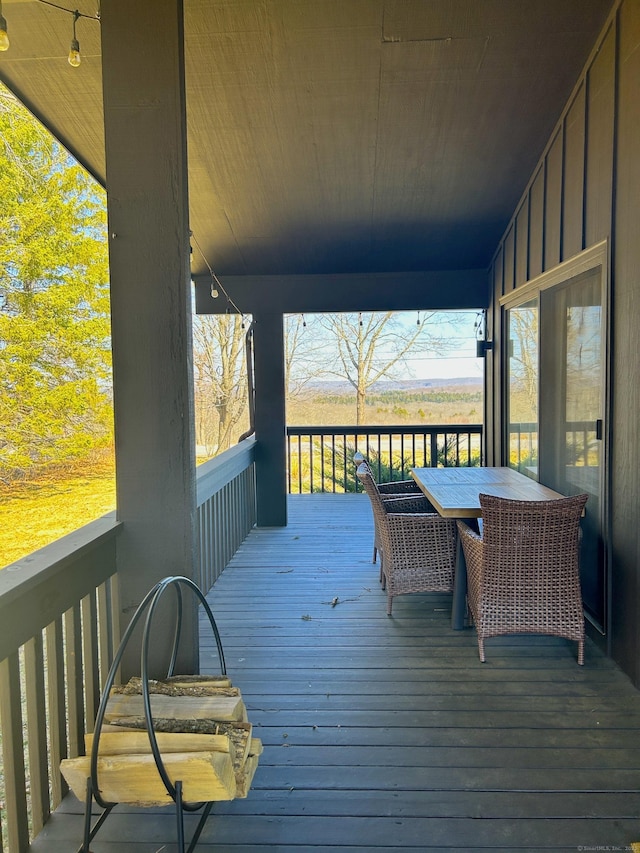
x=531 y=530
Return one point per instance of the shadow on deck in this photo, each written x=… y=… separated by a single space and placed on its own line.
x=388 y=733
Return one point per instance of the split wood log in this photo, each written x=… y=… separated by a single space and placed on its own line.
x=238 y=732
x=178 y=707
x=255 y=747
x=174 y=688
x=127 y=742
x=244 y=777
x=200 y=680
x=134 y=779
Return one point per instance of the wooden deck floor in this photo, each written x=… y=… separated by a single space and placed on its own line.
x=388 y=733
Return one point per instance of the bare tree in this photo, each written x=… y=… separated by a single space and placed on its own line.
x=220 y=379
x=303 y=345
x=369 y=347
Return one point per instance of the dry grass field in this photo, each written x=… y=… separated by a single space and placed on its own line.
x=35 y=513
x=39 y=511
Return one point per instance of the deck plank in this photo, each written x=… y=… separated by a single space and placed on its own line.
x=388 y=733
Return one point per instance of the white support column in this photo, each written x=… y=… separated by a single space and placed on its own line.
x=146 y=159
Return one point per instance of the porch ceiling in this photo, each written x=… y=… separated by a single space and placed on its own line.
x=336 y=136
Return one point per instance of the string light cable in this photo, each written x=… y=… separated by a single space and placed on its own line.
x=216 y=284
x=74 y=57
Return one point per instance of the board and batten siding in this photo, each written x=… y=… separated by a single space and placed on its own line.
x=585 y=189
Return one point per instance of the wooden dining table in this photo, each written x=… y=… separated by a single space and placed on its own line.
x=455 y=493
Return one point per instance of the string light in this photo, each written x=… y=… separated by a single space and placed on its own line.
x=74 y=57
x=478 y=325
x=74 y=50
x=4 y=38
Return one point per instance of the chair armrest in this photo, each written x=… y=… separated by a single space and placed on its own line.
x=407 y=503
x=411 y=522
x=399 y=487
x=417 y=538
x=465 y=532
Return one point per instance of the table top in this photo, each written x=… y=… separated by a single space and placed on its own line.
x=454 y=492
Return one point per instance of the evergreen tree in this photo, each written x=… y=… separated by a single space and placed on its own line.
x=55 y=374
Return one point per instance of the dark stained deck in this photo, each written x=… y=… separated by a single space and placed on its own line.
x=388 y=733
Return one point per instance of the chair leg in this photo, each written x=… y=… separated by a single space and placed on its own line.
x=389 y=601
x=580 y=652
x=481 y=650
x=375 y=554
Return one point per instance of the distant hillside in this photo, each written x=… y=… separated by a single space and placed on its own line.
x=407 y=401
x=335 y=388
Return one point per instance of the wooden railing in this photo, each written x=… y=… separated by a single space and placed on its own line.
x=59 y=633
x=226 y=499
x=320 y=459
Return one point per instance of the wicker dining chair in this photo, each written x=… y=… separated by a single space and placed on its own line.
x=523 y=572
x=418 y=550
x=396 y=487
x=407 y=498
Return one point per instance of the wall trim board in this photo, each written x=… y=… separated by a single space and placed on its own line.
x=596 y=255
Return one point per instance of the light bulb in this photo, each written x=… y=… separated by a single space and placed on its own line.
x=4 y=38
x=214 y=293
x=74 y=53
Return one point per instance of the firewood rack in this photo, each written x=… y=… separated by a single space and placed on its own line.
x=148 y=606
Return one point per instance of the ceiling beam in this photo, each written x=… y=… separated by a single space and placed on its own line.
x=293 y=294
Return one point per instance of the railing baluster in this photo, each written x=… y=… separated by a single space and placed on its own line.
x=73 y=671
x=15 y=808
x=114 y=621
x=344 y=461
x=104 y=644
x=90 y=659
x=434 y=450
x=57 y=708
x=333 y=461
x=37 y=732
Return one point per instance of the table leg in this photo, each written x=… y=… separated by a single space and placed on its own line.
x=459 y=607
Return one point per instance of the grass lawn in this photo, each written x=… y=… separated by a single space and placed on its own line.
x=35 y=513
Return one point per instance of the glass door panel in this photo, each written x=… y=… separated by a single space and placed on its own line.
x=522 y=385
x=571 y=414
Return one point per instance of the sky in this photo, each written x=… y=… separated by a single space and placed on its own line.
x=454 y=356
x=461 y=361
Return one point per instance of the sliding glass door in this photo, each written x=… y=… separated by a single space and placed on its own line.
x=556 y=402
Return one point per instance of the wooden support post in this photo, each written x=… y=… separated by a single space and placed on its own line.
x=270 y=420
x=146 y=165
